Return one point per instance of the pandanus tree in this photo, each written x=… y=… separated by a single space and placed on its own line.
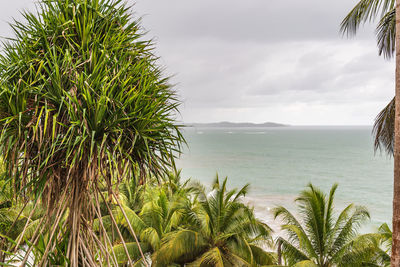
x=6 y=203
x=13 y=214
x=387 y=123
x=220 y=231
x=317 y=238
x=82 y=102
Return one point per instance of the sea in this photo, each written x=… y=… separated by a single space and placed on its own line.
x=279 y=162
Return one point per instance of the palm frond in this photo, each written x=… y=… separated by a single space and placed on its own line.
x=386 y=33
x=290 y=253
x=364 y=11
x=306 y=263
x=182 y=245
x=318 y=239
x=133 y=252
x=262 y=257
x=383 y=129
x=349 y=230
x=212 y=257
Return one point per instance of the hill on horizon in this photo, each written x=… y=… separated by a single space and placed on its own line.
x=236 y=124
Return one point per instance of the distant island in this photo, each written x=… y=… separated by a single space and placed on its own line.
x=228 y=124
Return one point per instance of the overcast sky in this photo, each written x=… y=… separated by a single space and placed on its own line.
x=263 y=60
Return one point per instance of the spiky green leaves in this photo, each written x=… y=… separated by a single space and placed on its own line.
x=80 y=85
x=82 y=103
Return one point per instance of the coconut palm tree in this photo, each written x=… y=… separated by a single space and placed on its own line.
x=383 y=245
x=82 y=99
x=174 y=185
x=369 y=10
x=317 y=238
x=383 y=241
x=159 y=216
x=387 y=123
x=220 y=231
x=153 y=209
x=131 y=192
x=384 y=10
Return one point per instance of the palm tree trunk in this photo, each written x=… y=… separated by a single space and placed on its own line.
x=395 y=259
x=279 y=252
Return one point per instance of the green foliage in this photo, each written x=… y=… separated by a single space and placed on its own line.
x=6 y=214
x=383 y=245
x=220 y=231
x=80 y=85
x=180 y=224
x=83 y=104
x=160 y=210
x=133 y=252
x=57 y=257
x=318 y=237
x=14 y=214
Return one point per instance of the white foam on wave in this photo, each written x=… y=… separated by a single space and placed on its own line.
x=263 y=209
x=255 y=133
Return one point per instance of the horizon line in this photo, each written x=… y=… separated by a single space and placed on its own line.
x=285 y=124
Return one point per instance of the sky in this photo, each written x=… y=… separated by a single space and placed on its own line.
x=262 y=60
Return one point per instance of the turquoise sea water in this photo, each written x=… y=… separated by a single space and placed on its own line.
x=279 y=162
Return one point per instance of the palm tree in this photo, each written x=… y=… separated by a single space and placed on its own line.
x=369 y=10
x=365 y=11
x=82 y=99
x=220 y=231
x=159 y=216
x=383 y=244
x=173 y=184
x=153 y=210
x=131 y=191
x=318 y=238
x=387 y=124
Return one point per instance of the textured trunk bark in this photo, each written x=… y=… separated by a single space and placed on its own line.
x=395 y=259
x=279 y=253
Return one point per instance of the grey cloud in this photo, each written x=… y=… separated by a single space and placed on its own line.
x=235 y=20
x=323 y=75
x=259 y=60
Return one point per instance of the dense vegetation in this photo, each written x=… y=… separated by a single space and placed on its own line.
x=83 y=106
x=180 y=223
x=88 y=139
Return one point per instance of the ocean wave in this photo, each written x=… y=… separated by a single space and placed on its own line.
x=264 y=205
x=254 y=132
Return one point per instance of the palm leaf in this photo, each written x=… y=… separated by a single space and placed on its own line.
x=384 y=129
x=133 y=252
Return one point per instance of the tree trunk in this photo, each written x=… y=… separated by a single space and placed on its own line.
x=395 y=259
x=279 y=252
